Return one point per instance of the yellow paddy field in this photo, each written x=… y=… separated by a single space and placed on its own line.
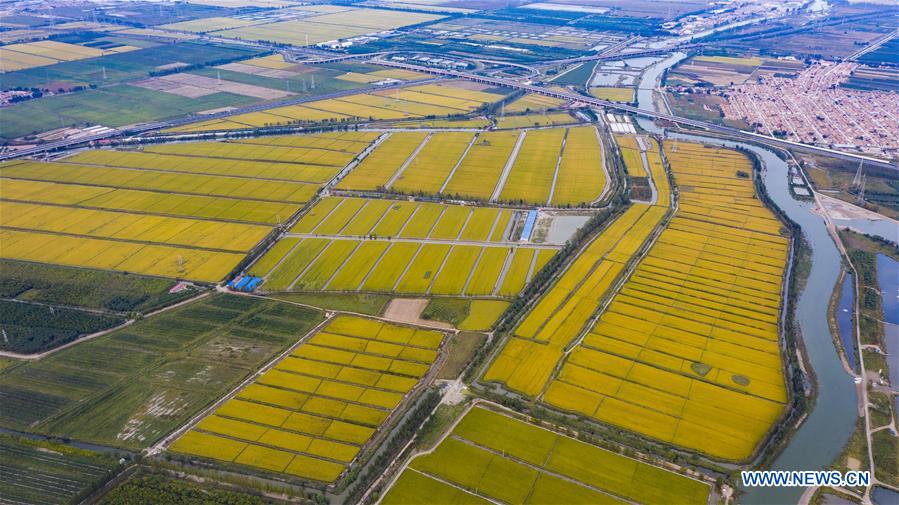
x=370 y=245
x=555 y=166
x=311 y=414
x=491 y=457
x=188 y=210
x=321 y=27
x=414 y=102
x=687 y=350
x=48 y=52
x=526 y=362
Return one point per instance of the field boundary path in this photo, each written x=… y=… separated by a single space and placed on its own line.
x=508 y=167
x=399 y=171
x=452 y=172
x=552 y=186
x=168 y=439
x=448 y=241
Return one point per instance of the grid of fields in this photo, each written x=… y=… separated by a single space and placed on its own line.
x=317 y=28
x=355 y=244
x=46 y=472
x=190 y=210
x=491 y=457
x=687 y=352
x=312 y=413
x=131 y=387
x=48 y=52
x=555 y=166
x=414 y=102
x=527 y=361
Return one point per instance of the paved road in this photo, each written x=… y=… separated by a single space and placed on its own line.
x=595 y=102
x=493 y=81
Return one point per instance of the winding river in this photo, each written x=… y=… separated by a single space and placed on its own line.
x=832 y=419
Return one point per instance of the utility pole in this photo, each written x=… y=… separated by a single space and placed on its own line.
x=857 y=180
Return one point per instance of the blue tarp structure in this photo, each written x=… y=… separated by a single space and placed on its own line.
x=246 y=283
x=529 y=226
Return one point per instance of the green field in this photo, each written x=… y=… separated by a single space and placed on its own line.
x=46 y=472
x=150 y=489
x=44 y=306
x=132 y=386
x=125 y=66
x=103 y=106
x=93 y=289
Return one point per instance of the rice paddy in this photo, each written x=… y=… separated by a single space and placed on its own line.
x=187 y=210
x=414 y=102
x=313 y=412
x=491 y=457
x=535 y=103
x=320 y=27
x=535 y=119
x=559 y=317
x=557 y=166
x=613 y=94
x=48 y=52
x=370 y=245
x=687 y=351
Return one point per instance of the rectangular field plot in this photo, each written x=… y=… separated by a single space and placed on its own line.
x=414 y=102
x=687 y=352
x=131 y=387
x=312 y=29
x=241 y=188
x=555 y=166
x=430 y=169
x=378 y=167
x=370 y=245
x=313 y=412
x=358 y=217
x=532 y=175
x=630 y=152
x=412 y=267
x=529 y=357
x=492 y=457
x=45 y=472
x=187 y=210
x=480 y=170
x=252 y=160
x=582 y=176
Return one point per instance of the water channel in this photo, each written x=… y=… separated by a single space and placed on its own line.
x=832 y=420
x=845 y=321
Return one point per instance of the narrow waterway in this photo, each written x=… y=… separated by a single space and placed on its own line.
x=845 y=321
x=888 y=282
x=832 y=419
